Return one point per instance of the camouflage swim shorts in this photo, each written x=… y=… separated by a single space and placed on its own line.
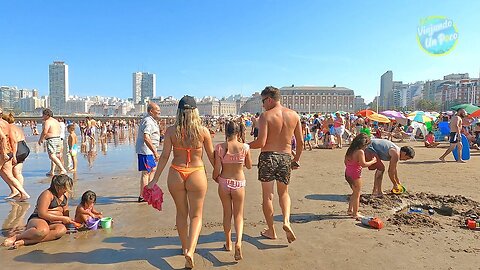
x=274 y=166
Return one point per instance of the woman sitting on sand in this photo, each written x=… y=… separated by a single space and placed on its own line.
x=187 y=181
x=51 y=213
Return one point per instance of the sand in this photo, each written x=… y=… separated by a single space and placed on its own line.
x=144 y=238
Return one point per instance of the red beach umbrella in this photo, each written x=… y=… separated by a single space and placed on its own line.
x=475 y=114
x=365 y=112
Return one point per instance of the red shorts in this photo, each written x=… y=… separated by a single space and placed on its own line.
x=378 y=165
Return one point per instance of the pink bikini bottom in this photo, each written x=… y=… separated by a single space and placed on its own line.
x=230 y=184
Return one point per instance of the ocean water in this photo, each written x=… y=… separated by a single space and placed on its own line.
x=115 y=156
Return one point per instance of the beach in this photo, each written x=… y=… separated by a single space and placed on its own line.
x=144 y=238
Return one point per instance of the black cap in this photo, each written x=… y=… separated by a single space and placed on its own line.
x=187 y=102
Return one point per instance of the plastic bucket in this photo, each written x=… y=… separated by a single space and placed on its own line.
x=106 y=222
x=92 y=223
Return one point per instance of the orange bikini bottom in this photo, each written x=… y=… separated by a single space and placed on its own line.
x=185 y=172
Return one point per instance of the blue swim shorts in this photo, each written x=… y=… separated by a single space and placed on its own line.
x=146 y=163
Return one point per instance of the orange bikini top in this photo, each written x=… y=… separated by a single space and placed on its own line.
x=189 y=158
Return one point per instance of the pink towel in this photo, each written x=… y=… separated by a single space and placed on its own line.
x=153 y=196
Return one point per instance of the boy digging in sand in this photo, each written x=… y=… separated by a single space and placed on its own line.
x=354 y=162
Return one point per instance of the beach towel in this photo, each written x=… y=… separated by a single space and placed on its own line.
x=153 y=196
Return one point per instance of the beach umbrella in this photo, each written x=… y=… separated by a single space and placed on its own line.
x=475 y=114
x=393 y=114
x=432 y=116
x=469 y=108
x=419 y=116
x=365 y=113
x=378 y=117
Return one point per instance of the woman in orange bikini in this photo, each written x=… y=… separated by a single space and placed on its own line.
x=187 y=181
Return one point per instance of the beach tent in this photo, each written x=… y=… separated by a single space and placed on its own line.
x=419 y=126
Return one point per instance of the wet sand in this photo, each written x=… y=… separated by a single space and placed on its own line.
x=144 y=238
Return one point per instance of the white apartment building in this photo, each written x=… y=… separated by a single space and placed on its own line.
x=144 y=86
x=77 y=106
x=400 y=95
x=58 y=86
x=29 y=104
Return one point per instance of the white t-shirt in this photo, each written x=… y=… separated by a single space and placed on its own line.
x=62 y=130
x=149 y=126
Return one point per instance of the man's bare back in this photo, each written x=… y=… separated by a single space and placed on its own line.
x=281 y=124
x=51 y=128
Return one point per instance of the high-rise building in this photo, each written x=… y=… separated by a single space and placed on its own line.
x=58 y=85
x=359 y=103
x=399 y=95
x=386 y=90
x=144 y=86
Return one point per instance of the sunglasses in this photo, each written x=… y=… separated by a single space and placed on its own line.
x=263 y=100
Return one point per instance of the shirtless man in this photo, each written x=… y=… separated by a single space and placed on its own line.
x=17 y=191
x=455 y=135
x=254 y=132
x=51 y=134
x=277 y=125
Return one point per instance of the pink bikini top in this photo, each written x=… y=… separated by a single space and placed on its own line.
x=237 y=158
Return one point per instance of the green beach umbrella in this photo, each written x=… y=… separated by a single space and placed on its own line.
x=469 y=108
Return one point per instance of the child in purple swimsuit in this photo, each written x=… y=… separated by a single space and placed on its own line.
x=354 y=162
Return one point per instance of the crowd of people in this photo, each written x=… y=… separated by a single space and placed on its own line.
x=281 y=135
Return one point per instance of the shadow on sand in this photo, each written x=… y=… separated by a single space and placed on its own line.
x=309 y=217
x=328 y=197
x=413 y=162
x=140 y=248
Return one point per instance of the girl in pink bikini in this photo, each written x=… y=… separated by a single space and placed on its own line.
x=230 y=157
x=354 y=162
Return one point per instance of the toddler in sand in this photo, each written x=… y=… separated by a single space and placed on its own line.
x=354 y=162
x=85 y=210
x=230 y=157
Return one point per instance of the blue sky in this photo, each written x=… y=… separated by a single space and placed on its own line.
x=226 y=47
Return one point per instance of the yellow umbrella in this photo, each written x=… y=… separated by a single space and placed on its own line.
x=378 y=117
